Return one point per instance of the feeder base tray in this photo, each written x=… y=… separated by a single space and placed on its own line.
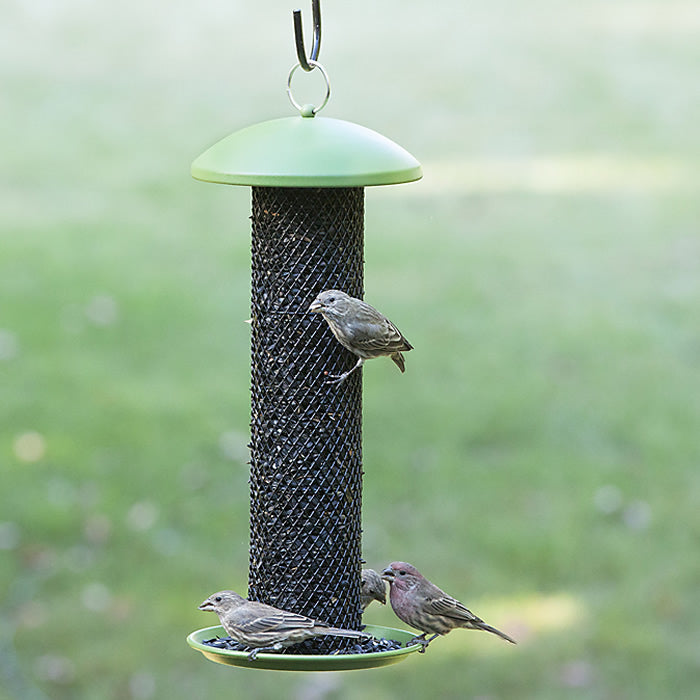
x=307 y=662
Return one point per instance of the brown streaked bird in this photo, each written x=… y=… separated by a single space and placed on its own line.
x=361 y=329
x=373 y=588
x=424 y=606
x=265 y=628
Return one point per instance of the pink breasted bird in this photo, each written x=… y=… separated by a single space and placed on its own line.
x=422 y=605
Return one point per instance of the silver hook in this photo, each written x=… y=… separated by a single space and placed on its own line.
x=299 y=36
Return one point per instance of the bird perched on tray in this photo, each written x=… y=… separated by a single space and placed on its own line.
x=265 y=628
x=421 y=604
x=361 y=329
x=373 y=588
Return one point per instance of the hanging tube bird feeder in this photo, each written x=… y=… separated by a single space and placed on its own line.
x=307 y=175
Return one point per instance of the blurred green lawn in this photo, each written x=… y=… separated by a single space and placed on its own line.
x=540 y=457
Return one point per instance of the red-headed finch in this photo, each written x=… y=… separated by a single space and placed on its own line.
x=264 y=628
x=373 y=588
x=361 y=329
x=424 y=606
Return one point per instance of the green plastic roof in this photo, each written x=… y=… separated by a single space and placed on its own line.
x=306 y=152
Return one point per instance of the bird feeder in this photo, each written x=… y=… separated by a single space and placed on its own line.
x=308 y=175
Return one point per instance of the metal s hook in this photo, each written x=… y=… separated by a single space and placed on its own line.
x=299 y=36
x=308 y=63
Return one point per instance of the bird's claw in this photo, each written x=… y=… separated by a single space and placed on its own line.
x=253 y=655
x=336 y=378
x=420 y=640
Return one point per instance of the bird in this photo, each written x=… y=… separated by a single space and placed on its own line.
x=263 y=627
x=361 y=329
x=373 y=588
x=422 y=605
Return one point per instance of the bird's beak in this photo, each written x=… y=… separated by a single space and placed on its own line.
x=388 y=575
x=206 y=605
x=315 y=307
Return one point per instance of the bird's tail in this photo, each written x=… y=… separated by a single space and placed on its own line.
x=337 y=632
x=397 y=357
x=487 y=628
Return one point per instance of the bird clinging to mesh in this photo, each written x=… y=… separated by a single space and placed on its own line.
x=361 y=329
x=373 y=588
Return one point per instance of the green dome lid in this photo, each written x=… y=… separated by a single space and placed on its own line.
x=306 y=151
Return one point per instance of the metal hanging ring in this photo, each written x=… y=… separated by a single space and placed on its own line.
x=303 y=108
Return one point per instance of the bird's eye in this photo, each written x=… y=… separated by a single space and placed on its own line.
x=402 y=573
x=217 y=599
x=331 y=300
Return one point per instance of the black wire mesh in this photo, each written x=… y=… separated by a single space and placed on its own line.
x=306 y=435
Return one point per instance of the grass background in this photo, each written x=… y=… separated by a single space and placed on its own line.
x=539 y=459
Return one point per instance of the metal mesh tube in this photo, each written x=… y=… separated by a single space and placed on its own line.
x=306 y=435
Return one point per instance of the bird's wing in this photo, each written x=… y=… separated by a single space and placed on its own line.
x=272 y=621
x=447 y=606
x=379 y=334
